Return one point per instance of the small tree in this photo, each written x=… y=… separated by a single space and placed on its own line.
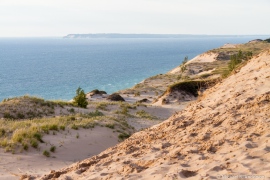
x=80 y=98
x=183 y=65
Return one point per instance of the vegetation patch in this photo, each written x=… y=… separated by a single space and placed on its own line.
x=28 y=107
x=235 y=61
x=29 y=133
x=95 y=114
x=191 y=87
x=102 y=106
x=122 y=136
x=80 y=98
x=111 y=126
x=144 y=114
x=46 y=153
x=52 y=149
x=267 y=40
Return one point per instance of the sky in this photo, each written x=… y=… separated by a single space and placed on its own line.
x=38 y=18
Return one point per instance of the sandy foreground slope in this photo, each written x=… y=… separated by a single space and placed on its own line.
x=226 y=132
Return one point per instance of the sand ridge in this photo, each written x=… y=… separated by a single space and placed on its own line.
x=202 y=58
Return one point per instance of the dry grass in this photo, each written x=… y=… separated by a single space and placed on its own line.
x=16 y=136
x=27 y=107
x=20 y=134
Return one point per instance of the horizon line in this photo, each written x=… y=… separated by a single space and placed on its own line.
x=57 y=36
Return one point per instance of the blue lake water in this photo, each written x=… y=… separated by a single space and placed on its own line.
x=53 y=68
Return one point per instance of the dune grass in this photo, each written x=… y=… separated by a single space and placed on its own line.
x=18 y=136
x=28 y=107
x=146 y=115
x=21 y=135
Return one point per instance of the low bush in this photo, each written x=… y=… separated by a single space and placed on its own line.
x=111 y=126
x=123 y=136
x=235 y=61
x=144 y=114
x=74 y=126
x=34 y=143
x=190 y=87
x=102 y=106
x=38 y=137
x=2 y=132
x=95 y=113
x=52 y=149
x=46 y=153
x=267 y=40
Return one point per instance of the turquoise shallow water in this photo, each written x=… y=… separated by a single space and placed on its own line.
x=53 y=68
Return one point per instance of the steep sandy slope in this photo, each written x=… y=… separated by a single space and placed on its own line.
x=226 y=132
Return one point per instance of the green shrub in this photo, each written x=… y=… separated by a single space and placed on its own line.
x=53 y=127
x=62 y=127
x=38 y=137
x=34 y=143
x=2 y=132
x=20 y=116
x=95 y=113
x=52 y=149
x=123 y=136
x=4 y=142
x=235 y=60
x=74 y=126
x=46 y=153
x=80 y=98
x=267 y=40
x=102 y=106
x=72 y=110
x=7 y=115
x=88 y=125
x=25 y=146
x=111 y=126
x=45 y=129
x=204 y=76
x=18 y=135
x=72 y=118
x=144 y=114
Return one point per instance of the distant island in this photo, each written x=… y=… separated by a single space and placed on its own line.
x=118 y=35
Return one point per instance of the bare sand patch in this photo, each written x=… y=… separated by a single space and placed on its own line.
x=71 y=146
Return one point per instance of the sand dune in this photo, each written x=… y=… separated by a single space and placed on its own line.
x=226 y=132
x=202 y=58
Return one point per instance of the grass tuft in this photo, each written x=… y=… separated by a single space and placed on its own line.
x=52 y=149
x=46 y=153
